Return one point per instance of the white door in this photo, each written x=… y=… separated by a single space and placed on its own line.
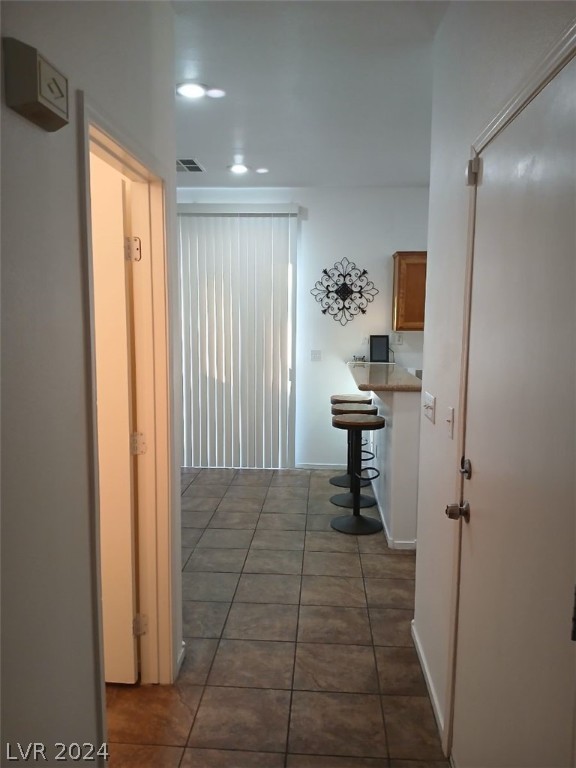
x=515 y=682
x=114 y=404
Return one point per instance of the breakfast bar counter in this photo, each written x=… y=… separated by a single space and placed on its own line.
x=396 y=393
x=383 y=377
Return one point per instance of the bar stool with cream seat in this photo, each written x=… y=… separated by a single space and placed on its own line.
x=347 y=499
x=343 y=481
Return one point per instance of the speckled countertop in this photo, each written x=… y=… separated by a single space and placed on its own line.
x=383 y=377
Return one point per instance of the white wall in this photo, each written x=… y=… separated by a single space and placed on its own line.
x=50 y=672
x=365 y=225
x=482 y=52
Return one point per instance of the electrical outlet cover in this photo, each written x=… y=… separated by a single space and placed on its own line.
x=429 y=405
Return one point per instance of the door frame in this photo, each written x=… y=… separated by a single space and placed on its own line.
x=156 y=542
x=111 y=274
x=559 y=55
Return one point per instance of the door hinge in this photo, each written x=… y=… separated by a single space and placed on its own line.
x=465 y=468
x=140 y=625
x=574 y=617
x=137 y=443
x=133 y=249
x=473 y=171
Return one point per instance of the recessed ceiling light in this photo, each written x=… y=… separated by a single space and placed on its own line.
x=261 y=170
x=238 y=168
x=191 y=90
x=215 y=93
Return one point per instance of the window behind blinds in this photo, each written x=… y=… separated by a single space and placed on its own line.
x=237 y=331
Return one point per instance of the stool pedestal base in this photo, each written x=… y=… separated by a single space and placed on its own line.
x=344 y=481
x=356 y=524
x=347 y=500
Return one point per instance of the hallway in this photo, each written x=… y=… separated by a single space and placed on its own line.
x=299 y=652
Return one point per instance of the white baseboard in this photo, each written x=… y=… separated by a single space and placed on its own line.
x=398 y=544
x=392 y=543
x=334 y=467
x=180 y=659
x=431 y=690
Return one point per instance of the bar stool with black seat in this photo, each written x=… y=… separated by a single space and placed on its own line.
x=355 y=423
x=343 y=481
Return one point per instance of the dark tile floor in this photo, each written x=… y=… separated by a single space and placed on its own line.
x=299 y=652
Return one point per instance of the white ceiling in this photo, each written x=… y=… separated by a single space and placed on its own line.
x=322 y=93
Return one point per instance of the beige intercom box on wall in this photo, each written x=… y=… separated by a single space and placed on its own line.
x=33 y=87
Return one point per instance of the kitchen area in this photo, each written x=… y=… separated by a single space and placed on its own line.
x=396 y=392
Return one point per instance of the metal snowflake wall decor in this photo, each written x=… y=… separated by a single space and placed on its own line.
x=344 y=291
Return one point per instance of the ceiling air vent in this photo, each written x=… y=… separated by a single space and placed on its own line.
x=188 y=166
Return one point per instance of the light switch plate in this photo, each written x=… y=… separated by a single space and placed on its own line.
x=315 y=355
x=429 y=405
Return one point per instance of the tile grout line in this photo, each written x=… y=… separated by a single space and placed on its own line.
x=296 y=637
x=204 y=686
x=380 y=699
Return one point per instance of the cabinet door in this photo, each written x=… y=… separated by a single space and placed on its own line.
x=409 y=290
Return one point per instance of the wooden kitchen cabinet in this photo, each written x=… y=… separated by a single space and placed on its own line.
x=409 y=290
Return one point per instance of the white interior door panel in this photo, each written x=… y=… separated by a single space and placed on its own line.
x=515 y=683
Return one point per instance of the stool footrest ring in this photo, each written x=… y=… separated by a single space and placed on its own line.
x=361 y=476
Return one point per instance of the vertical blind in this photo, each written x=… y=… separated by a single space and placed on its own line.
x=237 y=331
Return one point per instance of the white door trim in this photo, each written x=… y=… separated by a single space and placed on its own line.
x=546 y=70
x=156 y=529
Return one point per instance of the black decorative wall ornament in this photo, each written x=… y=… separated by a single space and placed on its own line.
x=344 y=291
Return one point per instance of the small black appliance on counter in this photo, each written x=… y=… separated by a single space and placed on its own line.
x=379 y=352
